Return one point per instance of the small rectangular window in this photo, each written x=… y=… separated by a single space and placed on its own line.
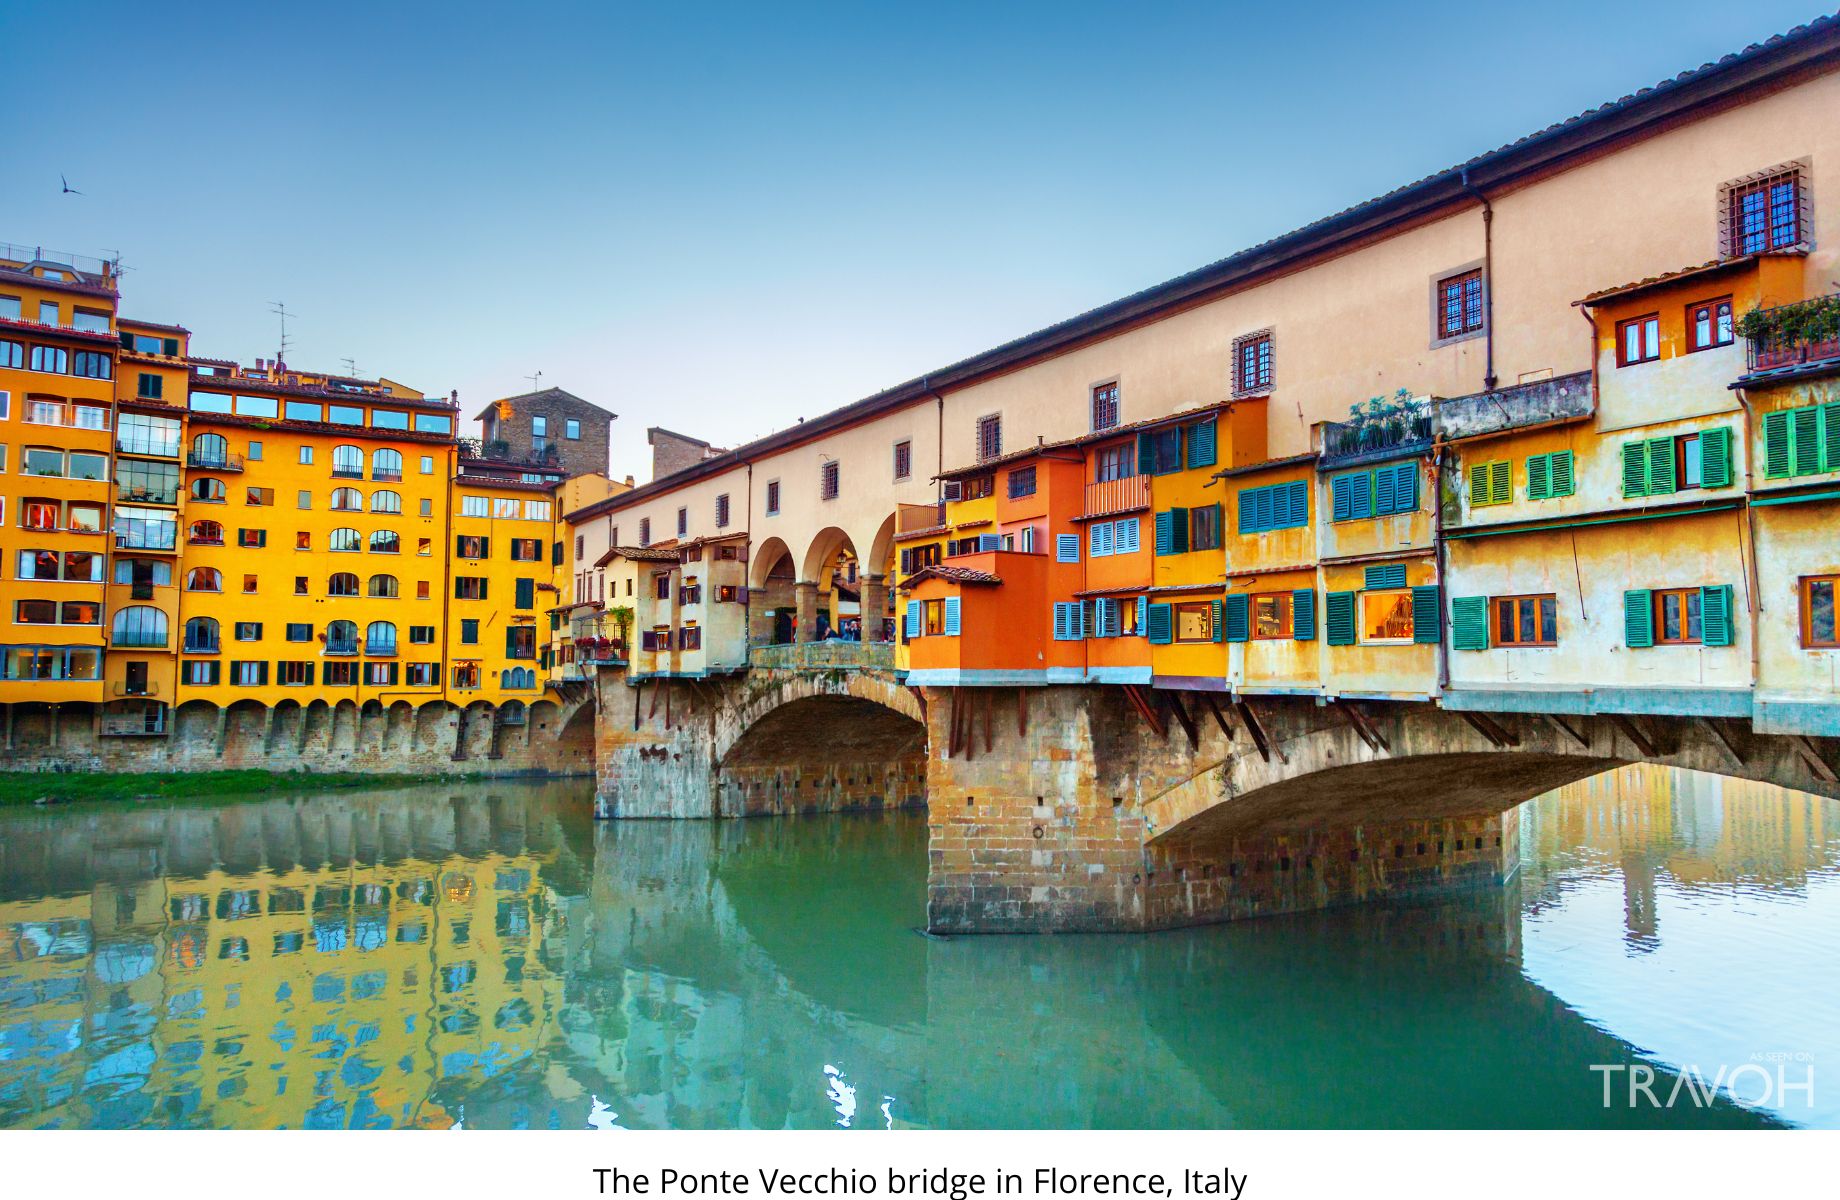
x=1677 y=616
x=1104 y=406
x=1709 y=324
x=1386 y=616
x=1818 y=628
x=1021 y=482
x=830 y=480
x=1459 y=305
x=1763 y=212
x=1271 y=616
x=903 y=459
x=1194 y=622
x=772 y=500
x=721 y=514
x=989 y=437
x=1252 y=363
x=1526 y=620
x=1638 y=340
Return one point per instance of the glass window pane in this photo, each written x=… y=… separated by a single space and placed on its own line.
x=1549 y=620
x=1670 y=616
x=211 y=402
x=1692 y=602
x=302 y=410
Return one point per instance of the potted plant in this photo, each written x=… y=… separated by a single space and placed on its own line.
x=622 y=616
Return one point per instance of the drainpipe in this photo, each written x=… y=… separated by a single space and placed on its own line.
x=1752 y=582
x=1488 y=281
x=1443 y=563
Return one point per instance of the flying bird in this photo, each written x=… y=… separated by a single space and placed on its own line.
x=68 y=190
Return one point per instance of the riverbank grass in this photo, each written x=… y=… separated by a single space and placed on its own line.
x=23 y=787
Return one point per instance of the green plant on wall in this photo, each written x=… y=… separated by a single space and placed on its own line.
x=1381 y=418
x=1811 y=321
x=622 y=616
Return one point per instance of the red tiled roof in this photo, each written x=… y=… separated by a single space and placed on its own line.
x=959 y=575
x=1666 y=277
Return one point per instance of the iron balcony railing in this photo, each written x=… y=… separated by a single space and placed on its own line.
x=147 y=445
x=150 y=688
x=1108 y=496
x=212 y=461
x=380 y=649
x=1791 y=334
x=138 y=638
x=1402 y=431
x=341 y=647
x=212 y=646
x=136 y=495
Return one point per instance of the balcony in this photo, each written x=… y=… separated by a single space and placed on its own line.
x=212 y=461
x=1109 y=496
x=1389 y=434
x=126 y=494
x=823 y=656
x=1792 y=335
x=137 y=690
x=138 y=638
x=148 y=540
x=912 y=518
x=146 y=446
x=211 y=646
x=380 y=650
x=341 y=648
x=1543 y=402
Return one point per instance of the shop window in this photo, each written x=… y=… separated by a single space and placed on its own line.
x=1386 y=616
x=1271 y=616
x=1194 y=622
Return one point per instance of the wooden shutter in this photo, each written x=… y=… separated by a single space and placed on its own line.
x=1201 y=445
x=1805 y=423
x=1102 y=619
x=1214 y=621
x=1158 y=624
x=1067 y=547
x=1639 y=619
x=913 y=619
x=1715 y=458
x=526 y=594
x=1178 y=532
x=1303 y=614
x=1776 y=450
x=1099 y=537
x=1469 y=623
x=1405 y=487
x=1563 y=483
x=1165 y=533
x=1295 y=510
x=1501 y=481
x=1385 y=575
x=1236 y=616
x=1478 y=485
x=1635 y=469
x=1146 y=454
x=951 y=622
x=1715 y=623
x=1427 y=613
x=1341 y=498
x=1143 y=615
x=1539 y=477
x=1124 y=536
x=1060 y=621
x=1830 y=436
x=1340 y=618
x=1661 y=467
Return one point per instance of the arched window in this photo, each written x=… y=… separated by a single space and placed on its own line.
x=139 y=625
x=204 y=579
x=208 y=490
x=342 y=637
x=385 y=541
x=210 y=450
x=347 y=500
x=201 y=635
x=345 y=541
x=347 y=462
x=384 y=500
x=342 y=583
x=383 y=587
x=380 y=638
x=386 y=464
x=207 y=533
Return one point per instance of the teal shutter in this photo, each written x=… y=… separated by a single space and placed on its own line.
x=1715 y=458
x=1165 y=533
x=1340 y=618
x=1405 y=487
x=1236 y=615
x=1303 y=614
x=1385 y=575
x=1776 y=449
x=951 y=616
x=1427 y=613
x=1469 y=623
x=1639 y=619
x=1061 y=621
x=1562 y=482
x=1539 y=477
x=1360 y=495
x=1341 y=498
x=1295 y=504
x=1635 y=469
x=1805 y=423
x=1159 y=624
x=1661 y=467
x=1099 y=539
x=1146 y=454
x=1251 y=520
x=526 y=593
x=1102 y=617
x=912 y=628
x=1125 y=536
x=1201 y=445
x=1143 y=603
x=1178 y=522
x=1715 y=626
x=1214 y=625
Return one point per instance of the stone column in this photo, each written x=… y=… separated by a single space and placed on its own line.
x=805 y=596
x=874 y=607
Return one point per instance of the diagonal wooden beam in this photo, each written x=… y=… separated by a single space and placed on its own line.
x=1363 y=726
x=1022 y=712
x=1220 y=718
x=1251 y=722
x=1812 y=756
x=1490 y=729
x=1723 y=738
x=1152 y=718
x=1628 y=726
x=1174 y=700
x=1568 y=731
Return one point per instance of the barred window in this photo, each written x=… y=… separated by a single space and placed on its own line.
x=1460 y=304
x=1104 y=406
x=989 y=437
x=830 y=476
x=1763 y=212
x=1252 y=363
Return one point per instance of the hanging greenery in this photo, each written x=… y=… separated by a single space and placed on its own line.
x=1811 y=321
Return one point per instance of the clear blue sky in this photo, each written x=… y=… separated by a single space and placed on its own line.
x=719 y=218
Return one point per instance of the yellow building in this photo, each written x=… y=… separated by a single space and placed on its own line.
x=504 y=549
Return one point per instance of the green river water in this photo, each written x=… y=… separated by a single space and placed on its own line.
x=485 y=955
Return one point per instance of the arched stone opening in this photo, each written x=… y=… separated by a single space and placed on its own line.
x=773 y=603
x=829 y=590
x=824 y=753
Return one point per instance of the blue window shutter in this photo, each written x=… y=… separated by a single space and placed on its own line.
x=1102 y=620
x=1159 y=623
x=1125 y=536
x=1082 y=619
x=913 y=618
x=1427 y=613
x=1165 y=533
x=1060 y=621
x=1340 y=615
x=1237 y=617
x=1067 y=547
x=1201 y=445
x=1303 y=614
x=1178 y=529
x=1386 y=575
x=1469 y=623
x=1386 y=491
x=1295 y=500
x=1715 y=624
x=1098 y=539
x=993 y=541
x=951 y=616
x=1341 y=498
x=1143 y=617
x=1360 y=495
x=1639 y=618
x=1146 y=455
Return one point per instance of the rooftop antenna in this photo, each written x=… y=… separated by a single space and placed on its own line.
x=533 y=380
x=280 y=310
x=351 y=367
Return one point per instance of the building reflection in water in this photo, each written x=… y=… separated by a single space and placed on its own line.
x=493 y=958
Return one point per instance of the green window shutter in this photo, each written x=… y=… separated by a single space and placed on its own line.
x=1237 y=616
x=1563 y=483
x=1159 y=624
x=1479 y=485
x=1830 y=436
x=1218 y=618
x=1635 y=469
x=1715 y=458
x=1539 y=477
x=1178 y=530
x=1146 y=454
x=1805 y=424
x=1341 y=498
x=1661 y=467
x=1340 y=618
x=1715 y=625
x=1386 y=575
x=1776 y=456
x=1501 y=482
x=1639 y=619
x=1469 y=623
x=1165 y=533
x=1303 y=614
x=1427 y=613
x=1201 y=444
x=170 y=346
x=526 y=594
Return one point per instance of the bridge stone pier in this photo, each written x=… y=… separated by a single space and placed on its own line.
x=1107 y=808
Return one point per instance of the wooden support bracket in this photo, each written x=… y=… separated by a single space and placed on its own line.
x=1363 y=726
x=1724 y=739
x=952 y=727
x=1812 y=756
x=1568 y=731
x=1220 y=718
x=1490 y=729
x=1022 y=712
x=1135 y=694
x=1187 y=722
x=1628 y=725
x=1251 y=722
x=988 y=744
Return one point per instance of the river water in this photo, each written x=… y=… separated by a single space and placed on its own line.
x=487 y=956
